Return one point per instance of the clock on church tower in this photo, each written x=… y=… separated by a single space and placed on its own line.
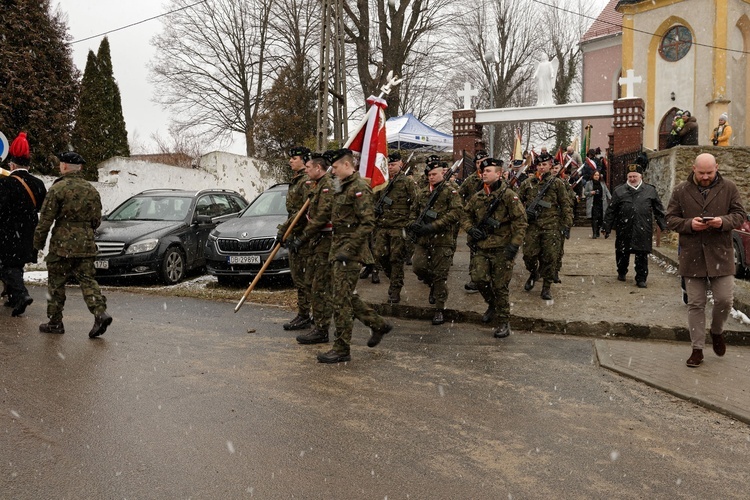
x=676 y=43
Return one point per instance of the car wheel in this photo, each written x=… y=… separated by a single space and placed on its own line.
x=739 y=266
x=173 y=266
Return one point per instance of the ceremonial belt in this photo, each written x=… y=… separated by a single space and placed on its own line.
x=28 y=189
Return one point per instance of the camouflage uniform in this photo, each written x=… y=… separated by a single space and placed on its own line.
x=74 y=206
x=471 y=184
x=490 y=267
x=558 y=266
x=543 y=240
x=352 y=219
x=317 y=237
x=298 y=261
x=390 y=250
x=433 y=254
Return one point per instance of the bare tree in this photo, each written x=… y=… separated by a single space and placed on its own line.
x=210 y=67
x=385 y=33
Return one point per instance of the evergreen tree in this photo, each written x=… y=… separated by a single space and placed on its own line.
x=38 y=81
x=99 y=132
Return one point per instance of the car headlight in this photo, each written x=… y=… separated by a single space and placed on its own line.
x=143 y=246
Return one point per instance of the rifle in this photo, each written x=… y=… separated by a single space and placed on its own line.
x=487 y=220
x=532 y=211
x=514 y=181
x=384 y=199
x=428 y=211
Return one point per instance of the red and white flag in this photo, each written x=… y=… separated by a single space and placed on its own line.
x=370 y=143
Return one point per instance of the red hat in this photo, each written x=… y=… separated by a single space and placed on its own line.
x=19 y=150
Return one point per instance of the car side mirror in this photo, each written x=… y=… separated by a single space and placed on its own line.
x=203 y=219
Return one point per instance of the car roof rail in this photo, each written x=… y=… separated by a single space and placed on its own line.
x=216 y=190
x=163 y=189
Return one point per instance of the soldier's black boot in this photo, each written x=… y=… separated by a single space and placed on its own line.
x=438 y=319
x=334 y=356
x=394 y=296
x=488 y=315
x=530 y=282
x=375 y=276
x=51 y=327
x=366 y=271
x=431 y=298
x=316 y=336
x=21 y=304
x=501 y=331
x=471 y=287
x=557 y=277
x=300 y=322
x=546 y=292
x=101 y=322
x=377 y=335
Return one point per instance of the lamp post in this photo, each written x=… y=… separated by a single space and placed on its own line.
x=491 y=58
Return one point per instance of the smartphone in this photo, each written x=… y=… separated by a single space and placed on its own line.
x=706 y=219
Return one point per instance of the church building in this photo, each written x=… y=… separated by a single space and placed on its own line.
x=690 y=54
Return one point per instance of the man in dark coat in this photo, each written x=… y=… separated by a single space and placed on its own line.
x=21 y=196
x=703 y=210
x=689 y=132
x=633 y=208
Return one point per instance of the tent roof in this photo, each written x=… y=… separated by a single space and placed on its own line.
x=406 y=132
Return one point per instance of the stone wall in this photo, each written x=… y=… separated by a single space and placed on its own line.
x=669 y=167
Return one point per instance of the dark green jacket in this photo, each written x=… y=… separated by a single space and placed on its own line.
x=74 y=206
x=353 y=219
x=399 y=213
x=558 y=213
x=507 y=223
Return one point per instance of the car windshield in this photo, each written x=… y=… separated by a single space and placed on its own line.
x=159 y=208
x=271 y=202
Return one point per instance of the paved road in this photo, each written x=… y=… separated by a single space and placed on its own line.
x=178 y=400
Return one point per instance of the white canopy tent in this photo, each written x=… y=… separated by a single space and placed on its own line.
x=406 y=132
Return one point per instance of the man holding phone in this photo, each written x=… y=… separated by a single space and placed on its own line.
x=703 y=210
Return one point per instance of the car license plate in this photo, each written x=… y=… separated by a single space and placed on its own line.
x=244 y=259
x=101 y=264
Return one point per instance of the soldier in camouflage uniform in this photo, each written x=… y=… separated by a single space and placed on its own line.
x=393 y=213
x=556 y=167
x=470 y=185
x=435 y=235
x=74 y=206
x=352 y=219
x=496 y=238
x=543 y=239
x=298 y=260
x=317 y=237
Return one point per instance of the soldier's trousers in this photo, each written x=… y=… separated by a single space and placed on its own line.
x=320 y=282
x=540 y=250
x=492 y=273
x=431 y=265
x=59 y=270
x=298 y=265
x=389 y=249
x=347 y=305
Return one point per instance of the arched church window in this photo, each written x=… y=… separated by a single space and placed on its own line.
x=676 y=43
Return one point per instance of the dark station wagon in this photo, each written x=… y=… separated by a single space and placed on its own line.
x=162 y=232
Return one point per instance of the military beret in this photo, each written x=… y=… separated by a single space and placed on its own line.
x=544 y=156
x=320 y=156
x=490 y=162
x=394 y=157
x=481 y=155
x=432 y=166
x=71 y=157
x=300 y=151
x=336 y=154
x=634 y=167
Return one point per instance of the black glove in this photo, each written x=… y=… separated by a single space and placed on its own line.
x=511 y=251
x=294 y=244
x=566 y=232
x=415 y=228
x=280 y=240
x=378 y=211
x=476 y=234
x=428 y=229
x=342 y=257
x=421 y=229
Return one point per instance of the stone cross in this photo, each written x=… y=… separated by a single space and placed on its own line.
x=629 y=82
x=467 y=93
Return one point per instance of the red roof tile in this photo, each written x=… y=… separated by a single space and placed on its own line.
x=608 y=23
